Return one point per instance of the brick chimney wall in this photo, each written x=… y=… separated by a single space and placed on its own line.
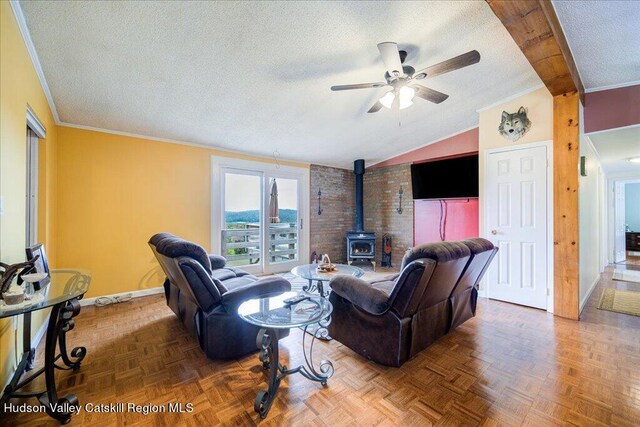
x=381 y=187
x=328 y=231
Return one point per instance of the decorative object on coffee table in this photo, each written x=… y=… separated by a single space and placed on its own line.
x=325 y=265
x=273 y=315
x=317 y=278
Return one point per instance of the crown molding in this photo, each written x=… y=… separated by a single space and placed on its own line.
x=223 y=151
x=609 y=87
x=24 y=30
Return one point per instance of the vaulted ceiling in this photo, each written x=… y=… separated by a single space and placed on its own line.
x=604 y=38
x=255 y=76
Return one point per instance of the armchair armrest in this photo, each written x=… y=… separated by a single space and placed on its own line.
x=217 y=261
x=232 y=299
x=361 y=294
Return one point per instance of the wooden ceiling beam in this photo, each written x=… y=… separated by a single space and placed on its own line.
x=534 y=26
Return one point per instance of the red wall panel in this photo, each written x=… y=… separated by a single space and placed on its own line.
x=612 y=108
x=461 y=220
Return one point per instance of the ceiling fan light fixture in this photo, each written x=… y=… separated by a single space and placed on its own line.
x=387 y=99
x=405 y=96
x=635 y=160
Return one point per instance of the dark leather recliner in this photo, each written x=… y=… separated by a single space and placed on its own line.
x=391 y=320
x=205 y=294
x=463 y=299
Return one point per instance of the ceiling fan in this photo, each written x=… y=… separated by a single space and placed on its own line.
x=403 y=79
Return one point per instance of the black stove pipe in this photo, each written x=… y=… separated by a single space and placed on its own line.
x=358 y=170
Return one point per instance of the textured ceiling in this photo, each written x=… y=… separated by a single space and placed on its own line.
x=616 y=147
x=255 y=76
x=604 y=37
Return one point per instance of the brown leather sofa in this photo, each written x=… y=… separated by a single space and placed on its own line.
x=391 y=320
x=205 y=293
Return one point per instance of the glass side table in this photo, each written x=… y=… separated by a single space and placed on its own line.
x=272 y=314
x=62 y=295
x=311 y=273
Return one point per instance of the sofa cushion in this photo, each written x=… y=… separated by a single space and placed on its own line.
x=385 y=286
x=439 y=251
x=241 y=273
x=390 y=278
x=238 y=282
x=360 y=293
x=174 y=247
x=158 y=237
x=478 y=245
x=223 y=274
x=202 y=286
x=217 y=261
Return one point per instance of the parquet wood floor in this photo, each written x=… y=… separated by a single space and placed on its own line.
x=510 y=365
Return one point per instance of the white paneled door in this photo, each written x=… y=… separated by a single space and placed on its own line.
x=516 y=220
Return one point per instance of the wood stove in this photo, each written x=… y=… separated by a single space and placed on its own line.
x=361 y=245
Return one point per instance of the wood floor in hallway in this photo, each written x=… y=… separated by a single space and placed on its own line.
x=510 y=365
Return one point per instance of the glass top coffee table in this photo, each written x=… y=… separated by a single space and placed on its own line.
x=311 y=273
x=272 y=314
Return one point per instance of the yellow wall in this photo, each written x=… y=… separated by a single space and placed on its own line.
x=115 y=192
x=19 y=86
x=539 y=104
x=101 y=195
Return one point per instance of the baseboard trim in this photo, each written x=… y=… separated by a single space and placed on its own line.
x=40 y=334
x=34 y=343
x=134 y=294
x=589 y=292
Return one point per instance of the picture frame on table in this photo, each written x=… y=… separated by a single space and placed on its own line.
x=41 y=265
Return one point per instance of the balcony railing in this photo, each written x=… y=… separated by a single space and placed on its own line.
x=241 y=243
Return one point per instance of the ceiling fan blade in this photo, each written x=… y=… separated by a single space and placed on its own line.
x=391 y=57
x=430 y=94
x=358 y=86
x=449 y=65
x=375 y=108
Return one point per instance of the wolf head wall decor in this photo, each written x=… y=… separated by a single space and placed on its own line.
x=514 y=126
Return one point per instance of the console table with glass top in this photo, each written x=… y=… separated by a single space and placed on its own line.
x=311 y=273
x=62 y=295
x=272 y=314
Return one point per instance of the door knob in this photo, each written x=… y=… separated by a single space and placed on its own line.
x=494 y=232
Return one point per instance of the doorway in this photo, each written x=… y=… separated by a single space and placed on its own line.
x=517 y=218
x=34 y=132
x=31 y=194
x=259 y=213
x=626 y=220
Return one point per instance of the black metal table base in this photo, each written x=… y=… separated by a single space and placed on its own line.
x=311 y=288
x=267 y=342
x=60 y=322
x=318 y=286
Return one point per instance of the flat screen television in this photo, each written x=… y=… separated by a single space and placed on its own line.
x=445 y=179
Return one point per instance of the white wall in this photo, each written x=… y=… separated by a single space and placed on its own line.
x=539 y=104
x=632 y=206
x=591 y=189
